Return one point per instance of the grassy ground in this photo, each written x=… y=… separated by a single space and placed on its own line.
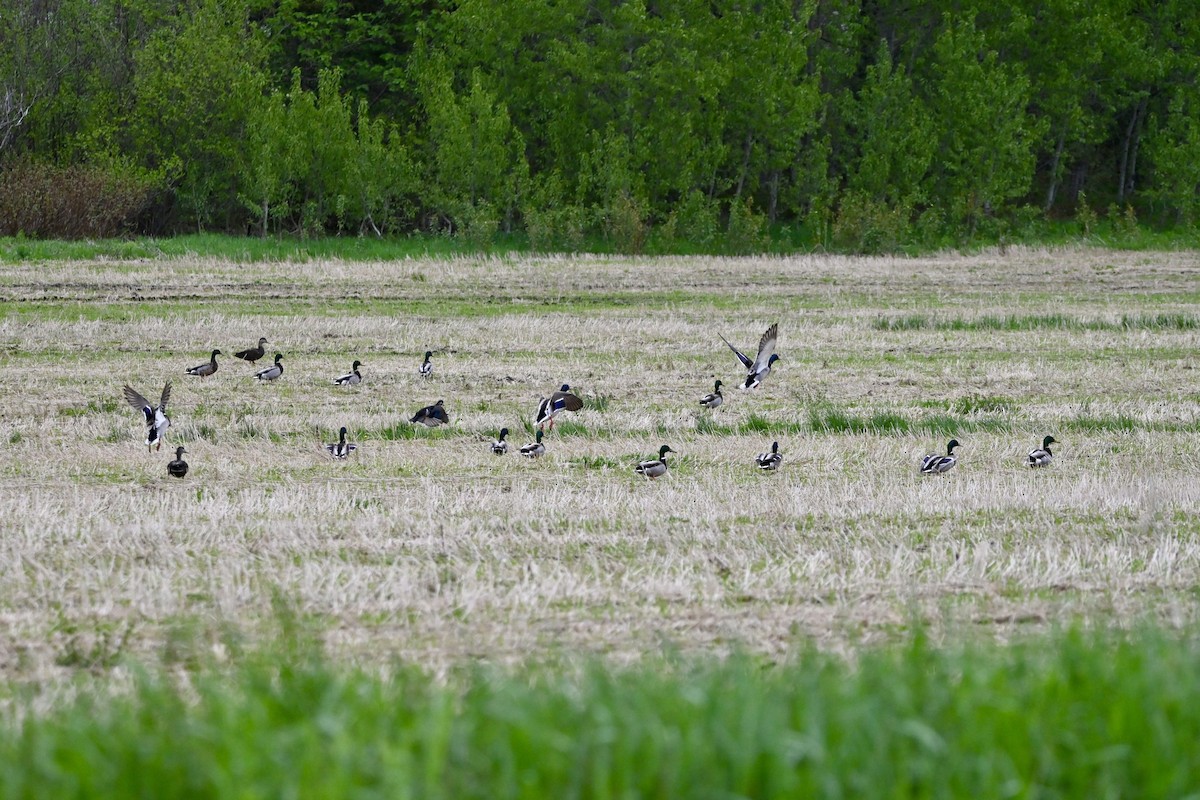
x=1074 y=715
x=426 y=547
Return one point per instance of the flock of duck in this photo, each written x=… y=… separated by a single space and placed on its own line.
x=757 y=370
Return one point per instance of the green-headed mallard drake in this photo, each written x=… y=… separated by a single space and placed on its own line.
x=536 y=449
x=341 y=448
x=252 y=354
x=713 y=398
x=657 y=467
x=562 y=400
x=936 y=463
x=432 y=416
x=760 y=367
x=156 y=416
x=207 y=368
x=769 y=462
x=1041 y=456
x=178 y=467
x=272 y=372
x=500 y=446
x=351 y=378
x=426 y=368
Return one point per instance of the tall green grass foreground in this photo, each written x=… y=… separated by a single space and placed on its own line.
x=1068 y=715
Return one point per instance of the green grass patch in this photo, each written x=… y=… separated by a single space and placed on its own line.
x=982 y=404
x=104 y=405
x=832 y=421
x=1123 y=423
x=1031 y=322
x=1115 y=715
x=237 y=248
x=406 y=430
x=598 y=462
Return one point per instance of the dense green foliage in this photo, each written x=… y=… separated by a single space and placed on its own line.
x=865 y=126
x=1064 y=715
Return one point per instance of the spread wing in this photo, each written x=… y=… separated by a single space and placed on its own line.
x=766 y=348
x=166 y=397
x=136 y=400
x=566 y=400
x=742 y=357
x=438 y=412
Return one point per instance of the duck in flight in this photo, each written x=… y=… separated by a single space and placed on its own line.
x=759 y=367
x=156 y=415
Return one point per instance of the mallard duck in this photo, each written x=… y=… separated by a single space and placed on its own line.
x=768 y=462
x=500 y=447
x=156 y=416
x=272 y=372
x=760 y=366
x=713 y=398
x=352 y=378
x=432 y=416
x=178 y=468
x=252 y=354
x=426 y=368
x=562 y=400
x=535 y=450
x=936 y=463
x=657 y=467
x=1041 y=456
x=207 y=368
x=341 y=448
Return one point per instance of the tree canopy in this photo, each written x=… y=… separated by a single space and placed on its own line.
x=865 y=122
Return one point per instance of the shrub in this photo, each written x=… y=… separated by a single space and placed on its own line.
x=625 y=224
x=746 y=231
x=866 y=225
x=75 y=202
x=1085 y=217
x=693 y=223
x=551 y=220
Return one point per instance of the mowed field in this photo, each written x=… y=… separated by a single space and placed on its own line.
x=426 y=547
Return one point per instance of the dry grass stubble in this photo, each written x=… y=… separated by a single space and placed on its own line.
x=429 y=547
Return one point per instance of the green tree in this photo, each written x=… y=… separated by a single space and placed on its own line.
x=896 y=137
x=197 y=82
x=985 y=136
x=475 y=160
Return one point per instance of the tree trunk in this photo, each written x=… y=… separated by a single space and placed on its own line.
x=1054 y=166
x=1129 y=149
x=773 y=201
x=745 y=165
x=1133 y=154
